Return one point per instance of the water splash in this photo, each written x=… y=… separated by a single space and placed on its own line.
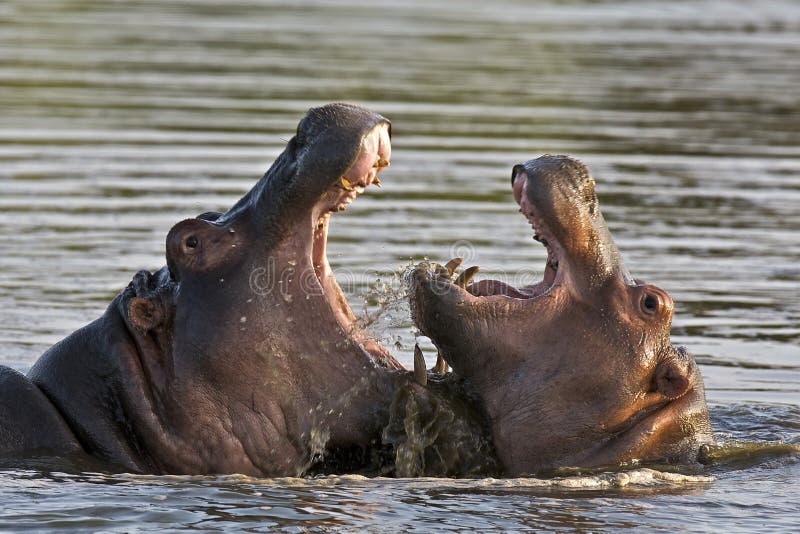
x=384 y=301
x=439 y=430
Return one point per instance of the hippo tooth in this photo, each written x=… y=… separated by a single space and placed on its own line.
x=453 y=264
x=466 y=276
x=441 y=270
x=345 y=184
x=420 y=373
x=441 y=365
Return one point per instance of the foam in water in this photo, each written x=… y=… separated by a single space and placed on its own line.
x=642 y=478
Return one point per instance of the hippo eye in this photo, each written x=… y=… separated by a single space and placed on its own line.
x=191 y=242
x=650 y=304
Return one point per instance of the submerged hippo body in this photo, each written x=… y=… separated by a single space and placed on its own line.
x=576 y=370
x=241 y=355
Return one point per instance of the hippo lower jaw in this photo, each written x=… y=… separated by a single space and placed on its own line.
x=652 y=430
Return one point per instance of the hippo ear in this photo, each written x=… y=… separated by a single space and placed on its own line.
x=144 y=313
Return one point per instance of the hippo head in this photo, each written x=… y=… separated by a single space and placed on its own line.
x=577 y=370
x=245 y=337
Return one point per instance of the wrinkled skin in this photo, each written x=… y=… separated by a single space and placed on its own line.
x=242 y=354
x=577 y=370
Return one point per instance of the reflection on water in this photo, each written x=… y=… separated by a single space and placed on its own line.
x=120 y=119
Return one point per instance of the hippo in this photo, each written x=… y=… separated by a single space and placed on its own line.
x=241 y=355
x=578 y=369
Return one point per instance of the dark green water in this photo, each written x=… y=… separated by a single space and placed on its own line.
x=118 y=119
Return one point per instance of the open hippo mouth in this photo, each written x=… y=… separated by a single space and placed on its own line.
x=551 y=245
x=542 y=234
x=577 y=369
x=373 y=157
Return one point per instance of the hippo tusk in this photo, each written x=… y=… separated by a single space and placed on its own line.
x=441 y=365
x=420 y=373
x=376 y=182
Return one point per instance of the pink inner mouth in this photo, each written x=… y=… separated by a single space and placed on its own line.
x=543 y=236
x=376 y=151
x=485 y=288
x=347 y=197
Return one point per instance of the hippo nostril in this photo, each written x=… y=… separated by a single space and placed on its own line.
x=672 y=379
